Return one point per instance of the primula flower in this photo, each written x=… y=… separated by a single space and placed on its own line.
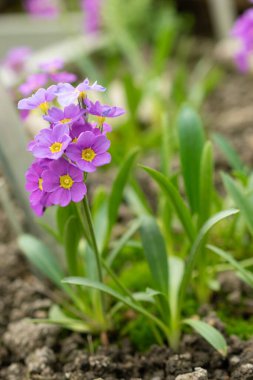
x=16 y=58
x=32 y=83
x=102 y=111
x=89 y=151
x=67 y=116
x=64 y=182
x=243 y=32
x=52 y=67
x=68 y=94
x=40 y=99
x=92 y=15
x=50 y=143
x=39 y=199
x=42 y=8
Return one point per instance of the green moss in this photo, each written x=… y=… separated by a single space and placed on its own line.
x=140 y=333
x=241 y=327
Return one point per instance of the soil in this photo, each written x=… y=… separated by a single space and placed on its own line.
x=45 y=352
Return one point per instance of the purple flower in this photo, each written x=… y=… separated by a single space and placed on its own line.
x=68 y=116
x=43 y=9
x=39 y=199
x=77 y=128
x=102 y=111
x=50 y=143
x=63 y=76
x=243 y=32
x=92 y=15
x=16 y=58
x=64 y=182
x=89 y=151
x=32 y=83
x=52 y=65
x=68 y=94
x=39 y=99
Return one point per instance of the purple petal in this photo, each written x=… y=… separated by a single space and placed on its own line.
x=86 y=139
x=101 y=144
x=102 y=159
x=61 y=197
x=78 y=191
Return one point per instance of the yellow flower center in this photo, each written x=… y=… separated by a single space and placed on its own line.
x=44 y=107
x=40 y=184
x=100 y=120
x=66 y=181
x=74 y=140
x=88 y=154
x=65 y=121
x=82 y=95
x=56 y=147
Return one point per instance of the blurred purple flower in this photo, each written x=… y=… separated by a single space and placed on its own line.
x=40 y=99
x=64 y=182
x=33 y=82
x=16 y=58
x=50 y=143
x=68 y=116
x=52 y=65
x=243 y=32
x=63 y=76
x=92 y=15
x=68 y=94
x=89 y=151
x=42 y=8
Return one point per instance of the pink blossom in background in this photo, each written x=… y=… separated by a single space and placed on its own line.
x=16 y=58
x=42 y=8
x=92 y=15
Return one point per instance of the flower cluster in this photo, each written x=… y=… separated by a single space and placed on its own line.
x=243 y=32
x=42 y=9
x=50 y=71
x=16 y=58
x=70 y=147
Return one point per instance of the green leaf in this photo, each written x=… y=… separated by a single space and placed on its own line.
x=118 y=186
x=176 y=272
x=123 y=241
x=71 y=241
x=229 y=152
x=206 y=183
x=191 y=143
x=210 y=334
x=41 y=257
x=62 y=216
x=245 y=275
x=99 y=213
x=194 y=252
x=175 y=198
x=240 y=199
x=155 y=253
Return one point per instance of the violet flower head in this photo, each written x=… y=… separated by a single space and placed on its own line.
x=68 y=94
x=16 y=58
x=64 y=182
x=243 y=32
x=42 y=8
x=77 y=128
x=40 y=99
x=52 y=65
x=68 y=116
x=33 y=82
x=102 y=110
x=92 y=15
x=51 y=143
x=89 y=152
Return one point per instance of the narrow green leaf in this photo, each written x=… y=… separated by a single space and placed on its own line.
x=206 y=183
x=41 y=257
x=175 y=198
x=245 y=275
x=194 y=252
x=62 y=216
x=210 y=334
x=71 y=240
x=118 y=186
x=123 y=241
x=191 y=143
x=229 y=152
x=240 y=199
x=176 y=272
x=155 y=253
